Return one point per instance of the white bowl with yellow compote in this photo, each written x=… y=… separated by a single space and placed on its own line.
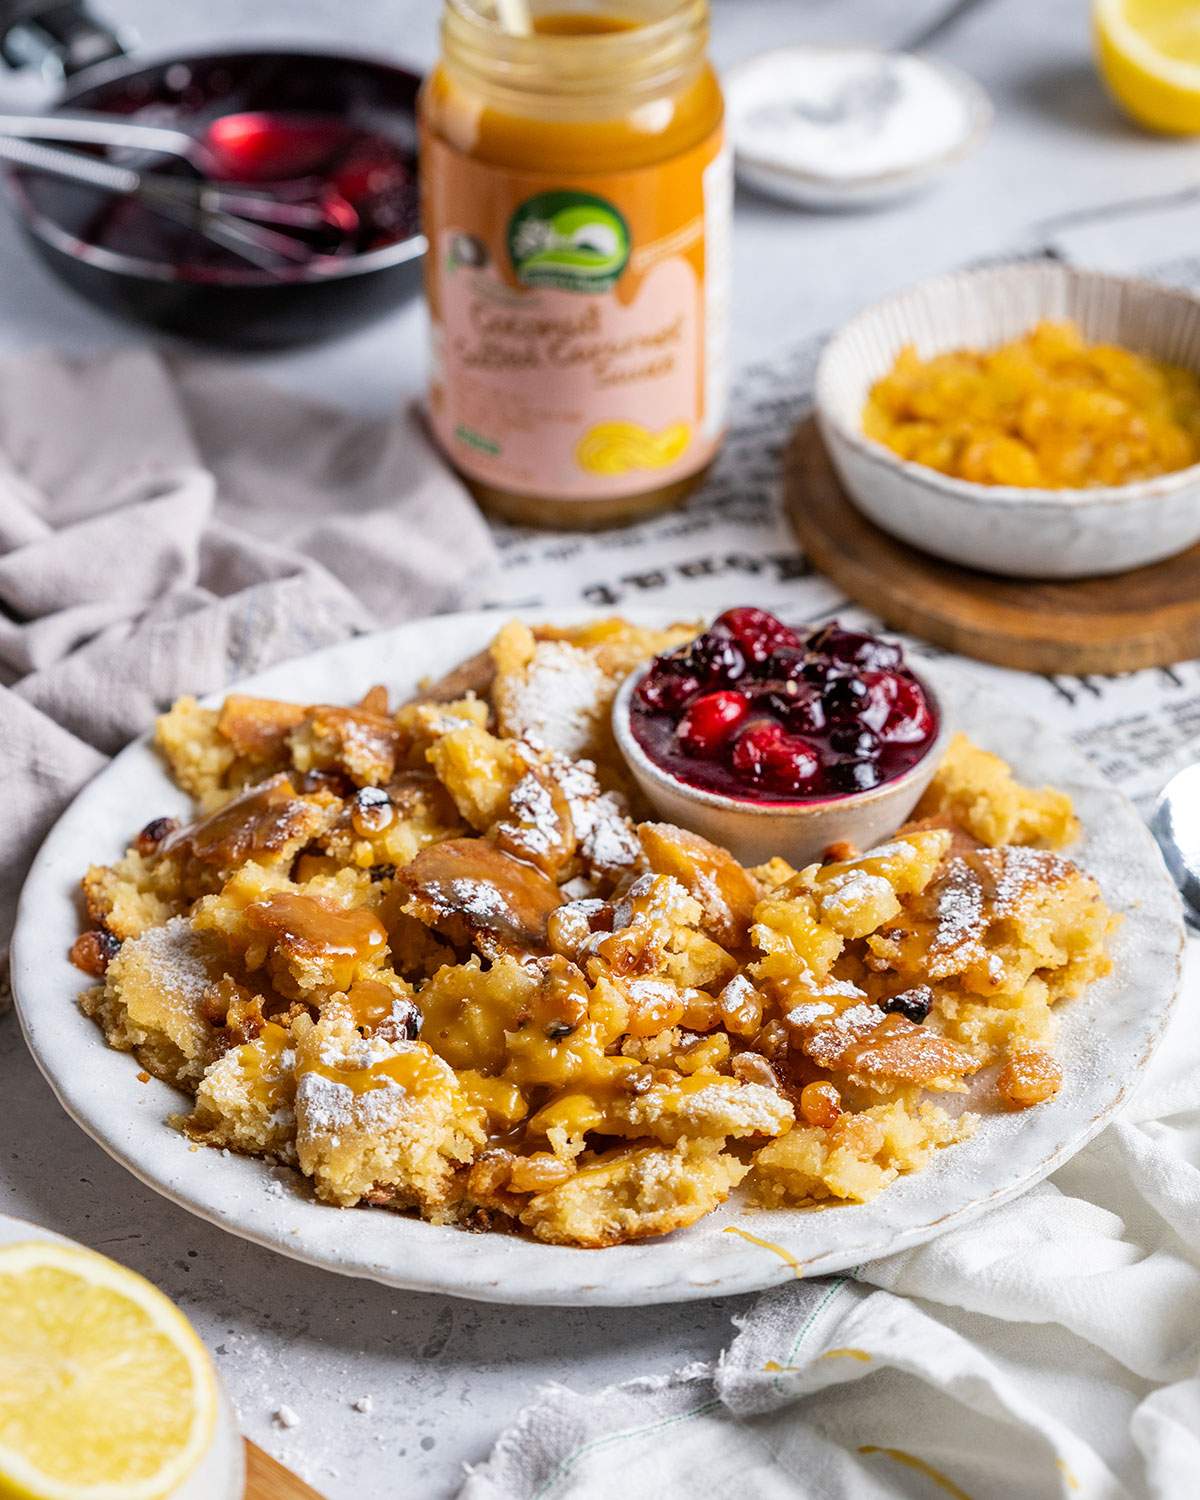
x=1041 y=526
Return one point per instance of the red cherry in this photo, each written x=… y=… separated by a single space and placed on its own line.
x=883 y=692
x=710 y=721
x=666 y=691
x=766 y=752
x=911 y=719
x=751 y=747
x=897 y=709
x=756 y=631
x=792 y=765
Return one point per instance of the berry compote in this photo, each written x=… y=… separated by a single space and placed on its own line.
x=756 y=710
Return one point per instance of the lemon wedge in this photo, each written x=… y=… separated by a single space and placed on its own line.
x=1149 y=55
x=106 y=1393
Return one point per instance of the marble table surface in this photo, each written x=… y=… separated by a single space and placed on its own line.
x=444 y=1376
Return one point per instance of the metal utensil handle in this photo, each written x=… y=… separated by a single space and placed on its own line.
x=90 y=170
x=203 y=207
x=262 y=247
x=96 y=129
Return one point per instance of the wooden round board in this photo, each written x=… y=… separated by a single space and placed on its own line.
x=267 y=1479
x=1147 y=618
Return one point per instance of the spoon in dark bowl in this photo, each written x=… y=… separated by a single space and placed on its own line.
x=225 y=217
x=292 y=162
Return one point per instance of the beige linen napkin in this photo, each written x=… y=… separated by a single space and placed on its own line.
x=167 y=526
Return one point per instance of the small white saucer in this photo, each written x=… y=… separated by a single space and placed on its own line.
x=761 y=91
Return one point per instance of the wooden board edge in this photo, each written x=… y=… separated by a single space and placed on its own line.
x=1026 y=648
x=267 y=1479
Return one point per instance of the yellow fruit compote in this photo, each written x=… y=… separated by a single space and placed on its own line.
x=1046 y=411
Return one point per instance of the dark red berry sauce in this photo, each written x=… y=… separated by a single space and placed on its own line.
x=365 y=183
x=756 y=710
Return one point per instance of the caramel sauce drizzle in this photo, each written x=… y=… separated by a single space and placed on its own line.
x=311 y=925
x=911 y=1461
x=260 y=819
x=784 y=1255
x=415 y=1070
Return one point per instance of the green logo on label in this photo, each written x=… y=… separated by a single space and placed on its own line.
x=573 y=241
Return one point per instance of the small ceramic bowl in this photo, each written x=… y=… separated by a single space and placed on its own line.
x=800 y=831
x=1026 y=533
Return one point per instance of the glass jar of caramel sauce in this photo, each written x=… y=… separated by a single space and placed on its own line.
x=577 y=198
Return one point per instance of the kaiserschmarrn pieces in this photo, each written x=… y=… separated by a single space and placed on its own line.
x=436 y=958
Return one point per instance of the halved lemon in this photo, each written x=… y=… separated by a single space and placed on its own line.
x=106 y=1393
x=1149 y=54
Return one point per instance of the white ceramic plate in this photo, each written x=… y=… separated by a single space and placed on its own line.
x=1107 y=1038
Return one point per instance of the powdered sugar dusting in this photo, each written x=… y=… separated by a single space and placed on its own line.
x=559 y=701
x=534 y=823
x=178 y=959
x=1018 y=872
x=958 y=937
x=851 y=890
x=606 y=838
x=327 y=1107
x=809 y=1013
x=828 y=1044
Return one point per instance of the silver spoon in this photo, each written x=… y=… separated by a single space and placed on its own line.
x=1175 y=824
x=94 y=128
x=199 y=206
x=269 y=202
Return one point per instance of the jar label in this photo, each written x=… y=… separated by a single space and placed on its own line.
x=579 y=328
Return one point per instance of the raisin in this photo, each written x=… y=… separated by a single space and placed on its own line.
x=1030 y=1076
x=94 y=950
x=914 y=1005
x=403 y=1025
x=820 y=1104
x=153 y=835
